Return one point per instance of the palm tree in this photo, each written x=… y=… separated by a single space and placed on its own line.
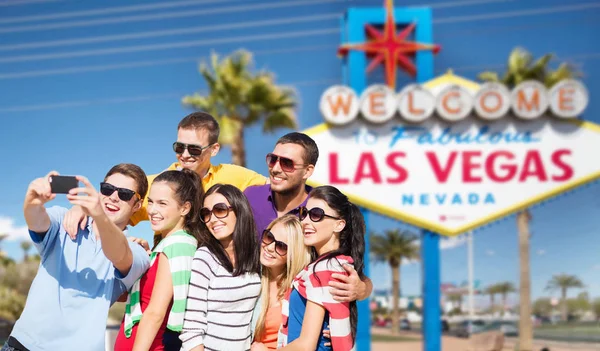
x=238 y=98
x=521 y=67
x=25 y=245
x=492 y=290
x=525 y=326
x=596 y=308
x=393 y=247
x=504 y=289
x=563 y=282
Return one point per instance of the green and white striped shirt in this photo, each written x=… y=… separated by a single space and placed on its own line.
x=179 y=248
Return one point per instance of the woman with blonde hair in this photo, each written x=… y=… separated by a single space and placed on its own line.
x=283 y=255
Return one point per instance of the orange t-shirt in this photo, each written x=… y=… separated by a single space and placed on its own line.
x=272 y=323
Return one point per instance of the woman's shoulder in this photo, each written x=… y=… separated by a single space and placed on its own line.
x=333 y=263
x=180 y=237
x=204 y=253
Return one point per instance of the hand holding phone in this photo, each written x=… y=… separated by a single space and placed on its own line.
x=62 y=184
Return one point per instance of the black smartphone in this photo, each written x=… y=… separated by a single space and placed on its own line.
x=62 y=184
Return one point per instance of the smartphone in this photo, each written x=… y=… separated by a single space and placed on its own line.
x=62 y=184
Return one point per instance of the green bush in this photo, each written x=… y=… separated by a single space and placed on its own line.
x=11 y=303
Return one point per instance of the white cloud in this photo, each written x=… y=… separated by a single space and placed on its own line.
x=541 y=252
x=490 y=252
x=453 y=242
x=7 y=226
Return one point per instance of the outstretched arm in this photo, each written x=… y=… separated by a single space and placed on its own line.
x=114 y=242
x=38 y=193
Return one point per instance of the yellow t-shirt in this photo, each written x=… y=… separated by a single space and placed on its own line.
x=237 y=176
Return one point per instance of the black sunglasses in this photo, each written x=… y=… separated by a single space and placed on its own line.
x=280 y=247
x=108 y=189
x=194 y=150
x=315 y=214
x=286 y=164
x=220 y=210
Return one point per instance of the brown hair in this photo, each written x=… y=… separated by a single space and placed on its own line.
x=187 y=187
x=134 y=172
x=311 y=151
x=201 y=120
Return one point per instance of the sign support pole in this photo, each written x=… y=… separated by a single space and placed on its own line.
x=430 y=258
x=363 y=330
x=353 y=72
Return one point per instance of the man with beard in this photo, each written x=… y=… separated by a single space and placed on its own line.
x=290 y=164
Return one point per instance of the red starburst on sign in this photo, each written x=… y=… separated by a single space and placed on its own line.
x=390 y=49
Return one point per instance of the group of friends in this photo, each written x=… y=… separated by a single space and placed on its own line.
x=238 y=261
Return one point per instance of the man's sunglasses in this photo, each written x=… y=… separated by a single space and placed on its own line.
x=315 y=214
x=220 y=210
x=108 y=189
x=280 y=247
x=286 y=164
x=194 y=150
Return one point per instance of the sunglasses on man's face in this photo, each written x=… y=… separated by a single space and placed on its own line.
x=220 y=210
x=280 y=247
x=193 y=150
x=287 y=165
x=315 y=214
x=108 y=189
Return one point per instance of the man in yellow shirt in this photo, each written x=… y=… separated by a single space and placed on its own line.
x=197 y=142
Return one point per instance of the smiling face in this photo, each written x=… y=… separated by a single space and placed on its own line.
x=117 y=210
x=165 y=213
x=268 y=256
x=285 y=182
x=324 y=234
x=221 y=228
x=199 y=164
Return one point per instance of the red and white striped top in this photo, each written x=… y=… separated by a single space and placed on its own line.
x=313 y=284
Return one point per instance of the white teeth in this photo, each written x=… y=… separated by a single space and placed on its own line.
x=111 y=207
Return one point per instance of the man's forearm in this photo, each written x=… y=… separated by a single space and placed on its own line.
x=114 y=244
x=36 y=217
x=368 y=288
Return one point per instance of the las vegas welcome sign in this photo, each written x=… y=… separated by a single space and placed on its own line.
x=451 y=155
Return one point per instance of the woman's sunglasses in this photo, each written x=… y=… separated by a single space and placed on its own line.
x=108 y=189
x=220 y=210
x=280 y=247
x=315 y=214
x=286 y=164
x=194 y=150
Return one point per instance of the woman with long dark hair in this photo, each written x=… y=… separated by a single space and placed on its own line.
x=225 y=282
x=335 y=229
x=155 y=304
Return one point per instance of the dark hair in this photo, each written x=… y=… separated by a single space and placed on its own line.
x=201 y=120
x=187 y=186
x=134 y=172
x=245 y=238
x=352 y=237
x=311 y=151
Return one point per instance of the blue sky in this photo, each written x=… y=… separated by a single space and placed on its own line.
x=86 y=85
